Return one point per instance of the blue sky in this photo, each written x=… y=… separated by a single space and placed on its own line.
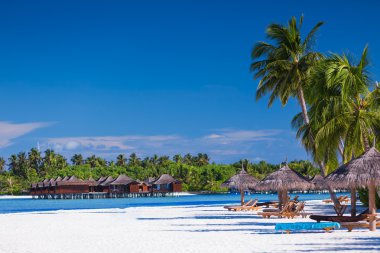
x=165 y=77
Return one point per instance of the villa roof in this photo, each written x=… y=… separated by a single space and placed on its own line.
x=165 y=179
x=73 y=180
x=284 y=179
x=101 y=179
x=123 y=180
x=45 y=183
x=107 y=182
x=92 y=182
x=50 y=182
x=357 y=173
x=65 y=178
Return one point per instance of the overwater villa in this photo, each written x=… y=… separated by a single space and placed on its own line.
x=105 y=187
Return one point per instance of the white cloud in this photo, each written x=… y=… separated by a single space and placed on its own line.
x=222 y=145
x=109 y=143
x=228 y=136
x=10 y=131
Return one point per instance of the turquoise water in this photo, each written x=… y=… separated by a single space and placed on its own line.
x=33 y=205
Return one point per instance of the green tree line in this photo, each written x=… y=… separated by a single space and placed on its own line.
x=195 y=171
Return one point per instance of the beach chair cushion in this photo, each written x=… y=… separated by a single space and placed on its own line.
x=307 y=226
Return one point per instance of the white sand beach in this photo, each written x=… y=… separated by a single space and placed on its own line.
x=170 y=229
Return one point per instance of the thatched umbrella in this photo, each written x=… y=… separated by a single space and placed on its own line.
x=319 y=183
x=282 y=181
x=360 y=172
x=241 y=181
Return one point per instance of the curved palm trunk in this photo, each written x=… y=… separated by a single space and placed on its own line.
x=365 y=141
x=301 y=98
x=353 y=190
x=322 y=167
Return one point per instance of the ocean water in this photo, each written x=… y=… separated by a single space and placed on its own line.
x=35 y=205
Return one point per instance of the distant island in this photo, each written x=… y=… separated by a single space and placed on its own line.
x=196 y=172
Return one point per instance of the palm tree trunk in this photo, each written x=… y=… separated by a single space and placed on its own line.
x=365 y=141
x=341 y=148
x=301 y=98
x=333 y=197
x=353 y=190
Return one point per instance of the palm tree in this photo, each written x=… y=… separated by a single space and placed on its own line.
x=163 y=161
x=121 y=160
x=60 y=162
x=177 y=158
x=188 y=159
x=355 y=117
x=154 y=160
x=77 y=159
x=134 y=160
x=345 y=113
x=13 y=163
x=91 y=160
x=202 y=159
x=35 y=159
x=146 y=162
x=95 y=161
x=284 y=67
x=2 y=165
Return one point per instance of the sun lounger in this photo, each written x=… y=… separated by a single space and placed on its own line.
x=296 y=226
x=360 y=217
x=267 y=204
x=289 y=211
x=341 y=199
x=238 y=208
x=299 y=211
x=251 y=207
x=272 y=210
x=361 y=224
x=276 y=212
x=345 y=199
x=320 y=218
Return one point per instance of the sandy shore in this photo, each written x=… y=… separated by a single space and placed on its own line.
x=170 y=229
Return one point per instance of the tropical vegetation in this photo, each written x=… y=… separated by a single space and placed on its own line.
x=339 y=117
x=195 y=171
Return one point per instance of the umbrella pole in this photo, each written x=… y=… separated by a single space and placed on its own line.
x=372 y=206
x=353 y=202
x=285 y=197
x=242 y=195
x=279 y=193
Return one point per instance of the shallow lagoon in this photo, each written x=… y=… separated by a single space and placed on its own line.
x=33 y=205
